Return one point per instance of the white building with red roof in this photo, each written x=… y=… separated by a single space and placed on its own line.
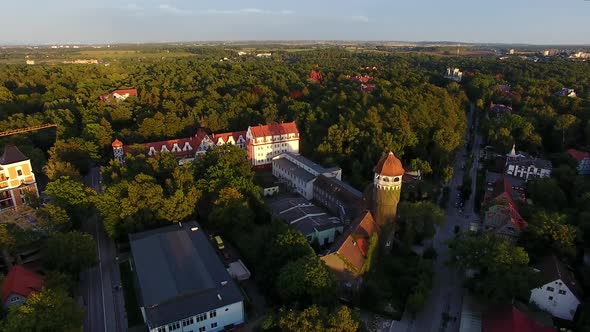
x=262 y=143
x=119 y=94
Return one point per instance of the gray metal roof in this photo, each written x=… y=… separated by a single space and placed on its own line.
x=515 y=181
x=179 y=274
x=12 y=155
x=527 y=162
x=316 y=167
x=292 y=168
x=303 y=215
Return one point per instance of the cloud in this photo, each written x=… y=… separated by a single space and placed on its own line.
x=360 y=18
x=173 y=10
x=255 y=11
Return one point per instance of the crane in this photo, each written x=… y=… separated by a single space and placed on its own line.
x=26 y=129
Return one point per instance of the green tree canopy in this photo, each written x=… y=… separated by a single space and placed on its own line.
x=71 y=252
x=315 y=318
x=305 y=281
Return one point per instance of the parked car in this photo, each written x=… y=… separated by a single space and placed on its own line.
x=219 y=242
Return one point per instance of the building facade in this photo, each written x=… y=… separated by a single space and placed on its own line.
x=560 y=293
x=262 y=143
x=182 y=283
x=387 y=185
x=300 y=173
x=16 y=178
x=523 y=166
x=340 y=198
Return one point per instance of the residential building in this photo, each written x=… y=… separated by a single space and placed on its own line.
x=559 y=293
x=566 y=92
x=497 y=111
x=18 y=285
x=340 y=198
x=16 y=178
x=30 y=62
x=387 y=185
x=262 y=143
x=583 y=159
x=454 y=74
x=264 y=55
x=311 y=221
x=268 y=141
x=346 y=258
x=300 y=173
x=509 y=319
x=523 y=166
x=502 y=218
x=182 y=283
x=119 y=95
x=497 y=183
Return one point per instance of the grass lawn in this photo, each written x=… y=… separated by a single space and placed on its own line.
x=131 y=306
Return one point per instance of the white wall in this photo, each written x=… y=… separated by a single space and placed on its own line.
x=561 y=305
x=305 y=189
x=230 y=314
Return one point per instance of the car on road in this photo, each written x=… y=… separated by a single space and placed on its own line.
x=219 y=242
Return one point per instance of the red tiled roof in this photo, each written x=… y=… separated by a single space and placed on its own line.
x=117 y=143
x=21 y=281
x=353 y=243
x=510 y=319
x=131 y=92
x=389 y=165
x=225 y=136
x=274 y=129
x=577 y=154
x=511 y=211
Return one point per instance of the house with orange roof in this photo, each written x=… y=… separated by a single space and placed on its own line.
x=119 y=95
x=502 y=218
x=18 y=286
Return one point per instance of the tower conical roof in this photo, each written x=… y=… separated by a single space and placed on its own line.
x=513 y=151
x=117 y=143
x=389 y=165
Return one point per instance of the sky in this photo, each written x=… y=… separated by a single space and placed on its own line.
x=124 y=21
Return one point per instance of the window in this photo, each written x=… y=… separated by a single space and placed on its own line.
x=201 y=317
x=162 y=329
x=173 y=326
x=202 y=329
x=188 y=322
x=562 y=292
x=551 y=289
x=550 y=298
x=19 y=172
x=213 y=325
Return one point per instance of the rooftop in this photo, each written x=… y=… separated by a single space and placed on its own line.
x=389 y=165
x=22 y=282
x=577 y=154
x=12 y=155
x=510 y=319
x=303 y=215
x=294 y=169
x=179 y=274
x=274 y=129
x=313 y=166
x=552 y=269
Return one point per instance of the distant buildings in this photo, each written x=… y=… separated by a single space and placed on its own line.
x=560 y=293
x=565 y=92
x=454 y=74
x=315 y=77
x=580 y=55
x=583 y=159
x=16 y=178
x=523 y=166
x=119 y=95
x=82 y=62
x=30 y=62
x=262 y=143
x=499 y=183
x=182 y=284
x=18 y=286
x=264 y=55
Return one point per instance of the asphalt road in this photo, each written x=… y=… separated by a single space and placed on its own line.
x=105 y=309
x=447 y=292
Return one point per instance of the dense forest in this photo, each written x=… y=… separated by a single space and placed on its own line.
x=405 y=106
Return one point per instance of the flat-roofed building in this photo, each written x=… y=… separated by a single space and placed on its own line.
x=182 y=283
x=300 y=172
x=310 y=220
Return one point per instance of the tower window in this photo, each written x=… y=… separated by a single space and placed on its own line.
x=386 y=179
x=396 y=179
